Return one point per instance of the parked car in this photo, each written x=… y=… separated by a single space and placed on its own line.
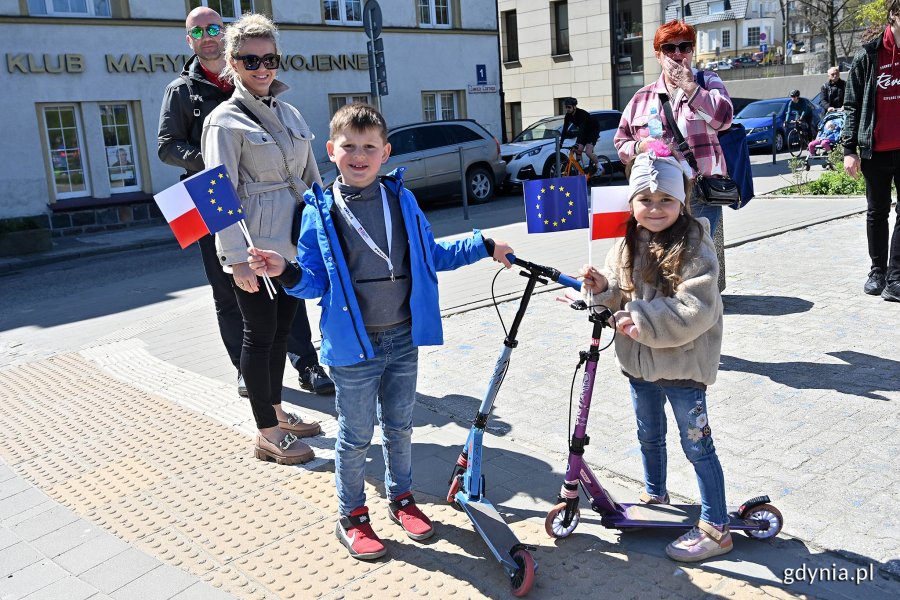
x=756 y=117
x=717 y=65
x=770 y=58
x=430 y=152
x=743 y=62
x=530 y=155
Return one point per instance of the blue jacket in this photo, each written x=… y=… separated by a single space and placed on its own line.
x=324 y=274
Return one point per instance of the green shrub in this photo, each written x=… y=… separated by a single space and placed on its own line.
x=836 y=183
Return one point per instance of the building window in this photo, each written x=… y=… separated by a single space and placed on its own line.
x=69 y=8
x=753 y=36
x=726 y=38
x=510 y=36
x=514 y=119
x=434 y=13
x=343 y=12
x=440 y=106
x=560 y=15
x=118 y=141
x=336 y=101
x=64 y=137
x=230 y=10
x=716 y=7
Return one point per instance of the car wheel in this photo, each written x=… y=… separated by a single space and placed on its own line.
x=480 y=185
x=779 y=141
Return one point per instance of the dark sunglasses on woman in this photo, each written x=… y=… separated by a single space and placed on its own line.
x=252 y=61
x=683 y=47
x=211 y=31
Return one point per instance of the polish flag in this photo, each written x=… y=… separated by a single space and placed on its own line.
x=609 y=212
x=201 y=204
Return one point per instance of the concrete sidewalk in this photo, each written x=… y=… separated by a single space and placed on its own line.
x=143 y=485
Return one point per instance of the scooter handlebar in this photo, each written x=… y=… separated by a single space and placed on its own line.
x=548 y=272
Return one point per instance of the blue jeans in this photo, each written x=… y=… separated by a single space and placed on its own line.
x=709 y=211
x=382 y=387
x=689 y=406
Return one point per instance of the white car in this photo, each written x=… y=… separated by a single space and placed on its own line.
x=531 y=154
x=717 y=65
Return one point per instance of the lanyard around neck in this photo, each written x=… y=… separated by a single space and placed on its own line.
x=354 y=223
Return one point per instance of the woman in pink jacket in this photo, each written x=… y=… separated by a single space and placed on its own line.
x=700 y=112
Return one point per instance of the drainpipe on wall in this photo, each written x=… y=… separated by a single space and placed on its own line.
x=501 y=93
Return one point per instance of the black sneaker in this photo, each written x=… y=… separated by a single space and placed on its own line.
x=242 y=387
x=876 y=282
x=314 y=379
x=891 y=291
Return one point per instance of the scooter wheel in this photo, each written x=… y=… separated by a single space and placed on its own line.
x=451 y=493
x=554 y=521
x=765 y=512
x=523 y=578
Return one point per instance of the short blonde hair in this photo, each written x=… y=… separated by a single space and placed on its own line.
x=357 y=116
x=249 y=27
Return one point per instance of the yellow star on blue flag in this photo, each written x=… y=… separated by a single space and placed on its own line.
x=562 y=208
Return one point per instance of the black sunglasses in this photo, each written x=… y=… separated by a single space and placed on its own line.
x=252 y=61
x=683 y=47
x=211 y=31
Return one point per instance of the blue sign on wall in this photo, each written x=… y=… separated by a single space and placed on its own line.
x=481 y=74
x=763 y=47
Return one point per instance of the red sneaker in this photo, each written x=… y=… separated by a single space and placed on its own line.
x=404 y=512
x=355 y=532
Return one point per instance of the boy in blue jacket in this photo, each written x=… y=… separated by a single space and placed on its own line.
x=367 y=250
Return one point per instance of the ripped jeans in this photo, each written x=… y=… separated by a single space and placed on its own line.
x=689 y=406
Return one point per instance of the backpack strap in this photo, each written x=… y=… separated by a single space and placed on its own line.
x=701 y=78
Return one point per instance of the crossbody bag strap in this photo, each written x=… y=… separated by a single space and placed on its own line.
x=243 y=108
x=683 y=146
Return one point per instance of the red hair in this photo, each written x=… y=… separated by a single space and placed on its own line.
x=674 y=30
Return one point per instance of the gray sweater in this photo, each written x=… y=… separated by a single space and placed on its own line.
x=384 y=303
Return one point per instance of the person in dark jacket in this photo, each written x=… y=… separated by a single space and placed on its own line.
x=588 y=130
x=831 y=96
x=872 y=146
x=187 y=102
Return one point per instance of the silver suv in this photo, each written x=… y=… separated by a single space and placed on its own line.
x=431 y=154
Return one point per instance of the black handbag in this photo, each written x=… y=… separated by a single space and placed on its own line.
x=717 y=190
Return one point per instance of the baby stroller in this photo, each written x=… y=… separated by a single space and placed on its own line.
x=827 y=137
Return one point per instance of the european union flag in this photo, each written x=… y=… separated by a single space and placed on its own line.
x=556 y=204
x=213 y=193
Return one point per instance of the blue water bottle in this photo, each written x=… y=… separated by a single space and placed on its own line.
x=654 y=124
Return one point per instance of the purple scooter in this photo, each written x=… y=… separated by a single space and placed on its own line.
x=758 y=518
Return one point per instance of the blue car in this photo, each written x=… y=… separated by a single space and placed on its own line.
x=757 y=118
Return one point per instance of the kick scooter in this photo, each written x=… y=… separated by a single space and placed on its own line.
x=467 y=484
x=758 y=518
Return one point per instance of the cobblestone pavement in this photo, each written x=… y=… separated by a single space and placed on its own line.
x=135 y=431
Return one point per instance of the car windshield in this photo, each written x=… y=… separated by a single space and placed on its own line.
x=542 y=130
x=761 y=109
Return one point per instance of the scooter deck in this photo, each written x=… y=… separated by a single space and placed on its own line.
x=666 y=515
x=491 y=526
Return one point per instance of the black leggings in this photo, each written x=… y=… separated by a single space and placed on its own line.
x=266 y=327
x=881 y=172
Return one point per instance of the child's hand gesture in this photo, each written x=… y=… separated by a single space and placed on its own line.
x=266 y=262
x=501 y=249
x=594 y=281
x=623 y=322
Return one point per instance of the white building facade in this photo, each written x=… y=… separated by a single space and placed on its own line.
x=83 y=80
x=600 y=52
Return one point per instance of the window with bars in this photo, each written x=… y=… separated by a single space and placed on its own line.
x=560 y=28
x=66 y=144
x=726 y=38
x=69 y=8
x=118 y=140
x=753 y=36
x=440 y=106
x=343 y=12
x=434 y=13
x=510 y=36
x=336 y=101
x=229 y=9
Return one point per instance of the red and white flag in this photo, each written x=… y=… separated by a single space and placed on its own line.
x=609 y=212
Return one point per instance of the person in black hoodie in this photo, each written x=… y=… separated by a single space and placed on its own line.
x=831 y=96
x=871 y=143
x=588 y=130
x=187 y=102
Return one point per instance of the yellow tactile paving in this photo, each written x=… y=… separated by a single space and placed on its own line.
x=185 y=488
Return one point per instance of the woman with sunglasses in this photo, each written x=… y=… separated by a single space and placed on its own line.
x=264 y=143
x=700 y=113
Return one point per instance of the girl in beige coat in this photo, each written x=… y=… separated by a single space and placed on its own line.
x=661 y=281
x=264 y=144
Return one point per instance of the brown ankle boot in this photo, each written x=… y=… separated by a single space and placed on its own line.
x=295 y=425
x=289 y=451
